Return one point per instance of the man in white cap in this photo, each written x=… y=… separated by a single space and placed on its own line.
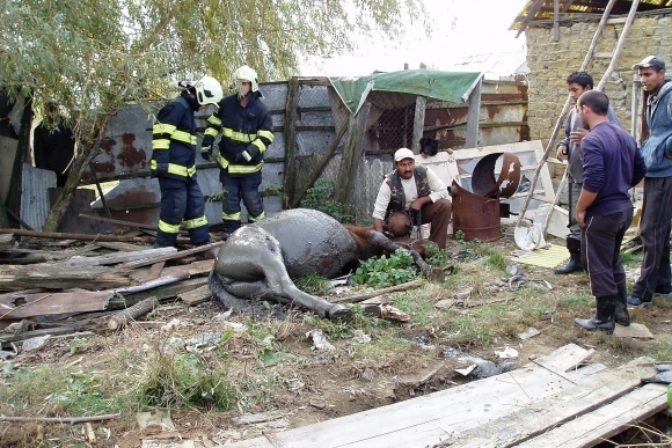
x=655 y=276
x=417 y=191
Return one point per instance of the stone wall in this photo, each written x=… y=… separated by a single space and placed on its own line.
x=551 y=62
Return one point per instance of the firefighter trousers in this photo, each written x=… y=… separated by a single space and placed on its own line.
x=237 y=188
x=182 y=205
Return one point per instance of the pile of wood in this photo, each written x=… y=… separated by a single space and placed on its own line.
x=68 y=286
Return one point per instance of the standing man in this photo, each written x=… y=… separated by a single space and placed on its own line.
x=173 y=162
x=654 y=229
x=612 y=165
x=54 y=143
x=570 y=148
x=417 y=190
x=247 y=131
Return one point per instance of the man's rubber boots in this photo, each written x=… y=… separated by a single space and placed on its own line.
x=603 y=319
x=575 y=263
x=621 y=315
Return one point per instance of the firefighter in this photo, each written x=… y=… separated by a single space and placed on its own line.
x=246 y=133
x=173 y=162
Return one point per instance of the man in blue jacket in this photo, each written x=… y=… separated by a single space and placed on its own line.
x=655 y=276
x=612 y=164
x=247 y=131
x=570 y=148
x=173 y=163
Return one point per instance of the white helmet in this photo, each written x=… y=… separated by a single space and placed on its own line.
x=246 y=73
x=208 y=91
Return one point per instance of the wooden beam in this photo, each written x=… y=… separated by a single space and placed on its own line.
x=418 y=122
x=74 y=236
x=351 y=154
x=619 y=45
x=291 y=119
x=556 y=24
x=174 y=256
x=473 y=116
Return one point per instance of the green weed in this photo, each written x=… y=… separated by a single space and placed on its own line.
x=321 y=197
x=380 y=272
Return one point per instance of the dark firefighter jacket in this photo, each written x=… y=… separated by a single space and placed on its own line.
x=174 y=139
x=246 y=134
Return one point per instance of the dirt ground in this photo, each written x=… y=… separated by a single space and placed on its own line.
x=271 y=365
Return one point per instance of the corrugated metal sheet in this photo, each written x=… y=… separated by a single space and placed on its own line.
x=35 y=184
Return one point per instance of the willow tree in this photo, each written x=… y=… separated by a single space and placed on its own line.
x=93 y=55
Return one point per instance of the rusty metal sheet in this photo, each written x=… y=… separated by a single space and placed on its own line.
x=476 y=216
x=483 y=178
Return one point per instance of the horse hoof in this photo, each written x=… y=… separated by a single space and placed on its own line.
x=340 y=313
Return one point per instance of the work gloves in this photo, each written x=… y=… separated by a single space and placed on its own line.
x=206 y=153
x=161 y=169
x=207 y=147
x=251 y=154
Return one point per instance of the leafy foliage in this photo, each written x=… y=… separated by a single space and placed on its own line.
x=383 y=271
x=321 y=197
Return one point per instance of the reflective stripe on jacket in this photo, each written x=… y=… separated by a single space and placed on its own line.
x=174 y=140
x=242 y=128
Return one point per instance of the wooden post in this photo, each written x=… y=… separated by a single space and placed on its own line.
x=473 y=116
x=418 y=123
x=556 y=24
x=565 y=109
x=619 y=46
x=291 y=118
x=353 y=150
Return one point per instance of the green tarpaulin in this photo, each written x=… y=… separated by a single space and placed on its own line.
x=454 y=87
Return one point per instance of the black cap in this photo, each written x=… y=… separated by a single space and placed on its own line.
x=650 y=61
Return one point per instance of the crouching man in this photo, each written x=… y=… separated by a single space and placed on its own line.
x=612 y=164
x=417 y=191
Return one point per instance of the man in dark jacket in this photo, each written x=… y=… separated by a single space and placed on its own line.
x=54 y=144
x=415 y=190
x=173 y=162
x=654 y=229
x=612 y=164
x=247 y=131
x=570 y=148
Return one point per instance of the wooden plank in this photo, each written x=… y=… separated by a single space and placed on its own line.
x=196 y=296
x=154 y=271
x=47 y=276
x=593 y=428
x=120 y=257
x=422 y=421
x=566 y=358
x=20 y=306
x=557 y=409
x=173 y=256
x=118 y=245
x=193 y=269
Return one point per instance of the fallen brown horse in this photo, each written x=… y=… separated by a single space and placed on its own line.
x=258 y=260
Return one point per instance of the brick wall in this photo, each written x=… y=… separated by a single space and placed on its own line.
x=551 y=62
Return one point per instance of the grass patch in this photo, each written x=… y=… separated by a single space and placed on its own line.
x=314 y=284
x=420 y=309
x=468 y=331
x=382 y=348
x=661 y=351
x=180 y=380
x=379 y=272
x=56 y=391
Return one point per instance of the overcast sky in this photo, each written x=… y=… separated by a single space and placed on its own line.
x=461 y=28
